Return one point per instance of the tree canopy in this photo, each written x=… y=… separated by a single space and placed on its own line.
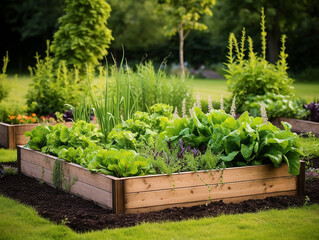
x=83 y=36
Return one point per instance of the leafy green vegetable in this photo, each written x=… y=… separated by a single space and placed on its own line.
x=38 y=137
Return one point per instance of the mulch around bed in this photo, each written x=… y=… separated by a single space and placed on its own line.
x=82 y=215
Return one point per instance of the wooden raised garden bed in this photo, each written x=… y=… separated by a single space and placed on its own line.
x=12 y=135
x=298 y=126
x=156 y=192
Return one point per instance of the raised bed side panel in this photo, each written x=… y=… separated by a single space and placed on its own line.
x=298 y=126
x=7 y=135
x=77 y=180
x=189 y=189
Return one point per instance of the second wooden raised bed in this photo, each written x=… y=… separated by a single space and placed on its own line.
x=298 y=126
x=12 y=135
x=156 y=192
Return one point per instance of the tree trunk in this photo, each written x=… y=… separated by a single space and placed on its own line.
x=181 y=51
x=273 y=41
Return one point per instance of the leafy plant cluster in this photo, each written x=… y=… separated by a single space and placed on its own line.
x=314 y=110
x=310 y=146
x=4 y=91
x=276 y=105
x=160 y=142
x=6 y=170
x=52 y=87
x=127 y=92
x=251 y=76
x=83 y=37
x=241 y=142
x=82 y=144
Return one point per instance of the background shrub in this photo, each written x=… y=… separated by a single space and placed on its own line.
x=52 y=88
x=4 y=90
x=252 y=78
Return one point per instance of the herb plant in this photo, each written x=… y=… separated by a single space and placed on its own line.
x=253 y=77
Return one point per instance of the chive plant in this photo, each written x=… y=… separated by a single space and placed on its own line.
x=119 y=101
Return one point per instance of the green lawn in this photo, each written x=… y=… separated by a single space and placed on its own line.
x=216 y=87
x=8 y=155
x=205 y=87
x=21 y=222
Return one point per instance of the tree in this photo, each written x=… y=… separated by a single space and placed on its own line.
x=83 y=36
x=182 y=17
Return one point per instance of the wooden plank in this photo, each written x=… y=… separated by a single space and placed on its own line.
x=299 y=126
x=158 y=182
x=118 y=196
x=21 y=140
x=12 y=137
x=302 y=179
x=78 y=188
x=36 y=171
x=225 y=200
x=37 y=158
x=21 y=129
x=84 y=175
x=70 y=169
x=4 y=141
x=192 y=194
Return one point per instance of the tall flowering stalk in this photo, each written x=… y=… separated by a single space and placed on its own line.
x=233 y=108
x=184 y=115
x=221 y=102
x=210 y=104
x=263 y=113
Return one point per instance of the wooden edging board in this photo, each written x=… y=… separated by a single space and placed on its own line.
x=12 y=135
x=156 y=192
x=298 y=126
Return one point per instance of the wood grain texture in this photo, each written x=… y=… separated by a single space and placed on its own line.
x=299 y=126
x=104 y=198
x=4 y=141
x=71 y=170
x=200 y=193
x=225 y=200
x=182 y=180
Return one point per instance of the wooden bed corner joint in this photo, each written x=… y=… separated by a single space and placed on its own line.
x=118 y=196
x=301 y=181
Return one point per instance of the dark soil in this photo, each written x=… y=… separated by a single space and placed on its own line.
x=82 y=215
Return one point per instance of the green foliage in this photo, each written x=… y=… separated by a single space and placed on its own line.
x=52 y=88
x=57 y=176
x=142 y=129
x=120 y=163
x=275 y=105
x=127 y=92
x=310 y=146
x=4 y=91
x=135 y=25
x=38 y=137
x=255 y=78
x=170 y=144
x=83 y=111
x=83 y=36
x=241 y=142
x=185 y=14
